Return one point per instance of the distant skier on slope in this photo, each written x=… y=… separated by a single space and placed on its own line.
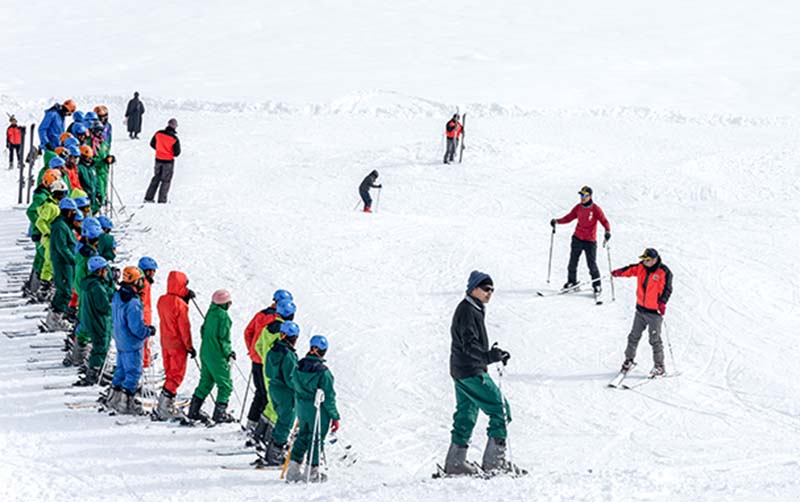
x=653 y=290
x=363 y=189
x=470 y=356
x=133 y=116
x=453 y=130
x=584 y=239
x=167 y=147
x=13 y=141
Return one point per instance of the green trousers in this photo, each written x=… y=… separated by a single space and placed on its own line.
x=282 y=400
x=38 y=259
x=269 y=410
x=63 y=275
x=219 y=374
x=478 y=393
x=102 y=185
x=306 y=413
x=99 y=349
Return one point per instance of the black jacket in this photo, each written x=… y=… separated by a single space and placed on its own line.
x=368 y=182
x=469 y=347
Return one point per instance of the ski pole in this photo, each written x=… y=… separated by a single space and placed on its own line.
x=246 y=392
x=611 y=278
x=318 y=398
x=669 y=345
x=505 y=414
x=289 y=452
x=356 y=206
x=198 y=308
x=378 y=200
x=550 y=259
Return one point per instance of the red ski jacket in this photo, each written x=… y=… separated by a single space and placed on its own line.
x=253 y=331
x=166 y=144
x=173 y=313
x=72 y=174
x=588 y=216
x=13 y=136
x=453 y=129
x=654 y=284
x=146 y=304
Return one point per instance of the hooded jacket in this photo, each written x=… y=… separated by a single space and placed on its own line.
x=173 y=314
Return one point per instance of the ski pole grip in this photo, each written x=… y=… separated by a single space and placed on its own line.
x=319 y=398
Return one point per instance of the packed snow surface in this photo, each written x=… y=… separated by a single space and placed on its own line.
x=680 y=116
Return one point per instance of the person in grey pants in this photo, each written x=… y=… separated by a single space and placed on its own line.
x=167 y=147
x=654 y=288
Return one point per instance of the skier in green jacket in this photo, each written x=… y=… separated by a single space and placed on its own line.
x=46 y=213
x=95 y=315
x=312 y=375
x=107 y=247
x=88 y=176
x=281 y=367
x=62 y=254
x=215 y=356
x=40 y=196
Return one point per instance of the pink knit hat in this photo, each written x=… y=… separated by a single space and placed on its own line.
x=221 y=297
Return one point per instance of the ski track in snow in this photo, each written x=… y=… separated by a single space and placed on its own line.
x=274 y=208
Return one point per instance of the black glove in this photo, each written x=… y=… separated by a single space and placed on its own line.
x=607 y=237
x=47 y=146
x=379 y=186
x=192 y=352
x=152 y=330
x=496 y=355
x=189 y=296
x=553 y=223
x=36 y=237
x=232 y=356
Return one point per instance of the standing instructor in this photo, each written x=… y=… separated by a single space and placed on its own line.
x=167 y=147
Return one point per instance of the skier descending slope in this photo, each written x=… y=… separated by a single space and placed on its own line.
x=584 y=240
x=654 y=288
x=363 y=189
x=470 y=356
x=453 y=132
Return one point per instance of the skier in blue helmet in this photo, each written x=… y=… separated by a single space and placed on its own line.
x=148 y=266
x=280 y=367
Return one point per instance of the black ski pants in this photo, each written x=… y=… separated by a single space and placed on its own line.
x=578 y=247
x=11 y=150
x=260 y=397
x=162 y=176
x=450 y=154
x=366 y=197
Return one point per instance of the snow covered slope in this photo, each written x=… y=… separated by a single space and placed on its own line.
x=672 y=117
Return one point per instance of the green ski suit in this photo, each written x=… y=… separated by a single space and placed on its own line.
x=88 y=177
x=215 y=350
x=86 y=251
x=105 y=247
x=40 y=195
x=263 y=346
x=281 y=366
x=101 y=168
x=62 y=253
x=47 y=212
x=95 y=316
x=312 y=374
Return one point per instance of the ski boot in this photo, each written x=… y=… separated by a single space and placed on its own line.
x=275 y=454
x=293 y=473
x=221 y=415
x=166 y=409
x=367 y=209
x=44 y=292
x=249 y=427
x=55 y=322
x=262 y=434
x=78 y=355
x=456 y=463
x=627 y=365
x=657 y=371
x=115 y=400
x=569 y=285
x=91 y=377
x=196 y=412
x=494 y=459
x=131 y=405
x=316 y=475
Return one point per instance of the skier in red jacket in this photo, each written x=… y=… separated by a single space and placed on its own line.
x=584 y=239
x=13 y=142
x=176 y=341
x=167 y=147
x=452 y=130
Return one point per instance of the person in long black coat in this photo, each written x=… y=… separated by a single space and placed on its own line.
x=133 y=116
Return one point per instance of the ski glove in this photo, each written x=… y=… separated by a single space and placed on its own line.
x=232 y=356
x=151 y=330
x=334 y=425
x=607 y=238
x=496 y=355
x=189 y=296
x=662 y=308
x=616 y=273
x=553 y=223
x=192 y=352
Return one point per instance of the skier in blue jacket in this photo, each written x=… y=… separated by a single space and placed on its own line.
x=52 y=127
x=130 y=332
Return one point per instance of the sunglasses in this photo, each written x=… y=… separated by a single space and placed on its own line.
x=103 y=116
x=584 y=194
x=488 y=289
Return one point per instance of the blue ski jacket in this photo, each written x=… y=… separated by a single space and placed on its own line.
x=130 y=331
x=52 y=127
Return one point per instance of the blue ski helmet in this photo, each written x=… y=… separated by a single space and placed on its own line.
x=67 y=204
x=290 y=329
x=79 y=217
x=147 y=263
x=286 y=308
x=56 y=162
x=319 y=341
x=105 y=222
x=78 y=116
x=91 y=228
x=73 y=150
x=90 y=117
x=96 y=263
x=79 y=129
x=72 y=142
x=281 y=295
x=81 y=202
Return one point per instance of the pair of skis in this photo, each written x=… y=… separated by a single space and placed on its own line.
x=618 y=382
x=575 y=288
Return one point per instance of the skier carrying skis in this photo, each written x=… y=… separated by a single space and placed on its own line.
x=363 y=189
x=311 y=375
x=256 y=421
x=148 y=266
x=584 y=239
x=453 y=130
x=215 y=357
x=470 y=356
x=133 y=116
x=653 y=290
x=130 y=332
x=176 y=341
x=167 y=147
x=95 y=315
x=13 y=142
x=281 y=367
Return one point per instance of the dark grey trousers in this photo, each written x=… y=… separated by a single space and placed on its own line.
x=450 y=154
x=651 y=322
x=163 y=176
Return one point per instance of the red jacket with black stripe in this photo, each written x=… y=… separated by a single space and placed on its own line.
x=654 y=285
x=166 y=144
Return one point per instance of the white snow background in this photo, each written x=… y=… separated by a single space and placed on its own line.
x=681 y=116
